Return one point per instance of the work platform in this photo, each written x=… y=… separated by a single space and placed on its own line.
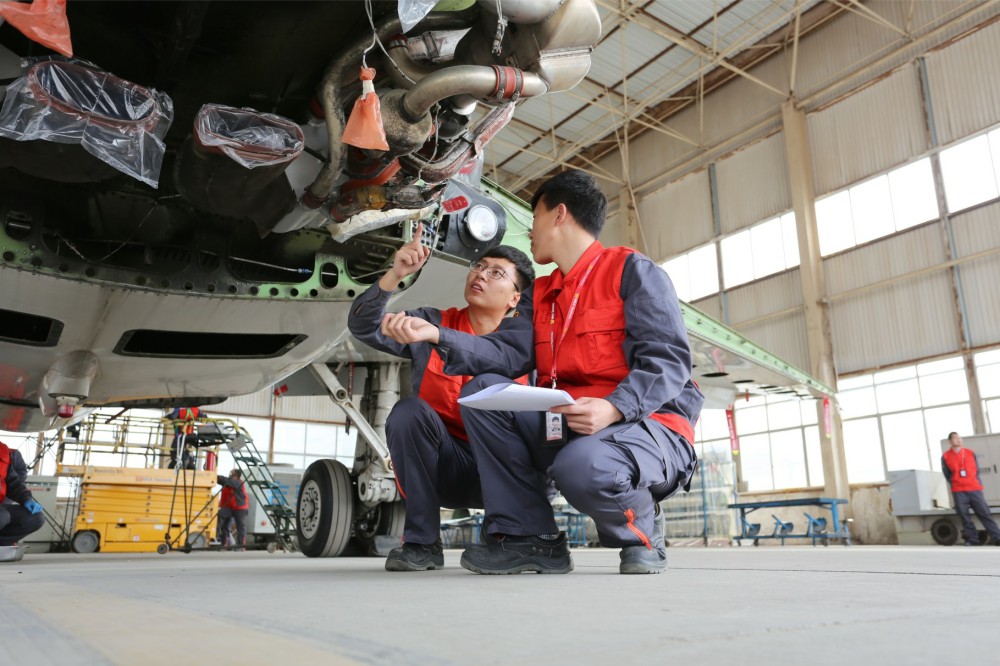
x=859 y=605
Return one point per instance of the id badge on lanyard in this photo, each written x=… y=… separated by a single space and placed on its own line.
x=555 y=424
x=555 y=429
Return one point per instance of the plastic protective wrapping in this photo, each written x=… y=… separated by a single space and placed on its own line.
x=43 y=21
x=412 y=12
x=249 y=137
x=119 y=122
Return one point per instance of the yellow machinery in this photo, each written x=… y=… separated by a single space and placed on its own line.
x=139 y=505
x=133 y=510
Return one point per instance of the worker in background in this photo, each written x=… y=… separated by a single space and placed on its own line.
x=961 y=468
x=430 y=450
x=184 y=435
x=606 y=327
x=233 y=508
x=20 y=514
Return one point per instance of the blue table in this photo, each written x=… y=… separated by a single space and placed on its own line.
x=816 y=528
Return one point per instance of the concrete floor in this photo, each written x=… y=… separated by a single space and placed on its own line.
x=795 y=605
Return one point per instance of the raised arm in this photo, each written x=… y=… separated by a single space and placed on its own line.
x=369 y=309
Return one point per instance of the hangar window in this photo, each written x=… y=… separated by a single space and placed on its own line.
x=779 y=442
x=28 y=329
x=969 y=171
x=988 y=373
x=695 y=274
x=764 y=249
x=896 y=419
x=877 y=208
x=185 y=344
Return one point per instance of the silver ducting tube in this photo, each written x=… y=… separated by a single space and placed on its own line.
x=332 y=99
x=498 y=83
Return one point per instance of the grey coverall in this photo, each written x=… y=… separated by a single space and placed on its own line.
x=433 y=467
x=627 y=466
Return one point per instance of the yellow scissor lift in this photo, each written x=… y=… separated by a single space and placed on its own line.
x=138 y=505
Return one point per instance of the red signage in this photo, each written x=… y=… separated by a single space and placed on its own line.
x=734 y=440
x=827 y=417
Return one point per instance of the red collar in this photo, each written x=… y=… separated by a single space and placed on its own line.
x=559 y=280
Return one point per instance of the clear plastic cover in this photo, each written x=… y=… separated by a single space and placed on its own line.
x=249 y=137
x=412 y=12
x=119 y=122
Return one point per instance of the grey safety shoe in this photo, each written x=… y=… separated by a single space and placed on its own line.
x=415 y=557
x=517 y=554
x=644 y=559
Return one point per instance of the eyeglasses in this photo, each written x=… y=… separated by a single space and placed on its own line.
x=492 y=272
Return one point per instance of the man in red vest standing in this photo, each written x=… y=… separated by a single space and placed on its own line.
x=184 y=435
x=17 y=520
x=430 y=449
x=961 y=468
x=233 y=508
x=606 y=327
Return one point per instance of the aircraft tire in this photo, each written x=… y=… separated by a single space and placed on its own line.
x=325 y=509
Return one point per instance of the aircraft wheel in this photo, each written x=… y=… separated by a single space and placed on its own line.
x=86 y=541
x=272 y=547
x=325 y=509
x=162 y=549
x=944 y=532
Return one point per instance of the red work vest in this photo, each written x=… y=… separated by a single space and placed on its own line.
x=188 y=415
x=442 y=391
x=591 y=360
x=4 y=468
x=228 y=499
x=956 y=462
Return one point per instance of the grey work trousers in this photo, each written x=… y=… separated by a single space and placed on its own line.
x=615 y=476
x=975 y=500
x=433 y=469
x=16 y=522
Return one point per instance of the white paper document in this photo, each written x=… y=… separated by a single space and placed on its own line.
x=517 y=398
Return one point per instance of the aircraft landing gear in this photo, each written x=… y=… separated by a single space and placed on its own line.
x=341 y=511
x=325 y=509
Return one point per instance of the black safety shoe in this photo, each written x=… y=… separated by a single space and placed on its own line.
x=515 y=554
x=645 y=560
x=415 y=557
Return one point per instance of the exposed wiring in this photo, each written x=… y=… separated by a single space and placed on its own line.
x=376 y=40
x=501 y=28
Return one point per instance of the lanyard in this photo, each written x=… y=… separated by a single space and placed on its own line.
x=569 y=317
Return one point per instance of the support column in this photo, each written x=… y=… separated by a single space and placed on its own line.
x=817 y=314
x=631 y=237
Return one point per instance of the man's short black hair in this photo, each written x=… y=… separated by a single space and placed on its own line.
x=525 y=269
x=578 y=191
x=951 y=434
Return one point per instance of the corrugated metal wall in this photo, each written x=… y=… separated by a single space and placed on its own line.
x=678 y=217
x=878 y=128
x=977 y=231
x=893 y=323
x=875 y=127
x=784 y=334
x=712 y=306
x=965 y=84
x=308 y=408
x=753 y=184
